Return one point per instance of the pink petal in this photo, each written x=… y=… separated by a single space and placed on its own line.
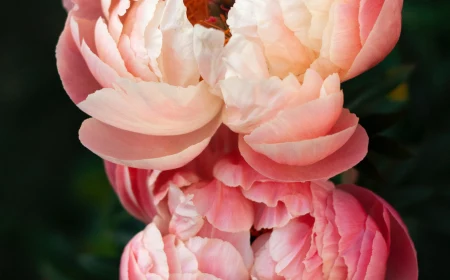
x=264 y=267
x=307 y=121
x=271 y=217
x=345 y=42
x=233 y=171
x=153 y=108
x=346 y=157
x=179 y=258
x=116 y=10
x=145 y=151
x=369 y=11
x=186 y=221
x=270 y=192
x=402 y=262
x=87 y=9
x=309 y=151
x=209 y=251
x=381 y=40
x=221 y=205
x=240 y=241
x=107 y=49
x=72 y=68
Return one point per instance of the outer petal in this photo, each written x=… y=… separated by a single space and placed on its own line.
x=72 y=68
x=153 y=108
x=230 y=266
x=346 y=157
x=402 y=262
x=145 y=151
x=381 y=40
x=221 y=205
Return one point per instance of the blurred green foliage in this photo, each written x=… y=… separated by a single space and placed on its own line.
x=62 y=221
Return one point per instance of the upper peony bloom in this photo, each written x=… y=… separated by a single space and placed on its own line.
x=150 y=255
x=131 y=65
x=332 y=36
x=350 y=234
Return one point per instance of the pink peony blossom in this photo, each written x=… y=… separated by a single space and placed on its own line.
x=350 y=233
x=332 y=36
x=131 y=65
x=291 y=131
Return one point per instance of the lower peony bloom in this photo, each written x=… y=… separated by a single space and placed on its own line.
x=350 y=233
x=150 y=255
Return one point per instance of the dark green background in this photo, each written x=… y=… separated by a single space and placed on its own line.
x=61 y=220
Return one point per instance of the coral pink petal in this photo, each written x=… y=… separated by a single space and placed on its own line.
x=153 y=108
x=310 y=151
x=179 y=258
x=271 y=217
x=264 y=267
x=72 y=68
x=221 y=205
x=346 y=157
x=402 y=262
x=381 y=40
x=307 y=121
x=192 y=276
x=369 y=10
x=116 y=10
x=345 y=42
x=145 y=151
x=233 y=171
x=240 y=240
x=87 y=9
x=210 y=251
x=270 y=193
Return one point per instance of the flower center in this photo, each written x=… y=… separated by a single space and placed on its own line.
x=210 y=13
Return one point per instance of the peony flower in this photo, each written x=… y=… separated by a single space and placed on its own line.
x=151 y=255
x=291 y=131
x=350 y=234
x=131 y=65
x=332 y=36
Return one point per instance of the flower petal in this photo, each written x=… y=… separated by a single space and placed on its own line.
x=145 y=151
x=153 y=108
x=346 y=157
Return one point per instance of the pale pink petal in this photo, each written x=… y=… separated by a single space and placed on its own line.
x=75 y=75
x=264 y=267
x=346 y=157
x=244 y=58
x=68 y=5
x=177 y=60
x=221 y=205
x=193 y=276
x=208 y=47
x=153 y=108
x=242 y=18
x=308 y=121
x=116 y=10
x=402 y=262
x=381 y=40
x=145 y=151
x=179 y=258
x=233 y=171
x=310 y=151
x=107 y=49
x=186 y=221
x=210 y=251
x=240 y=241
